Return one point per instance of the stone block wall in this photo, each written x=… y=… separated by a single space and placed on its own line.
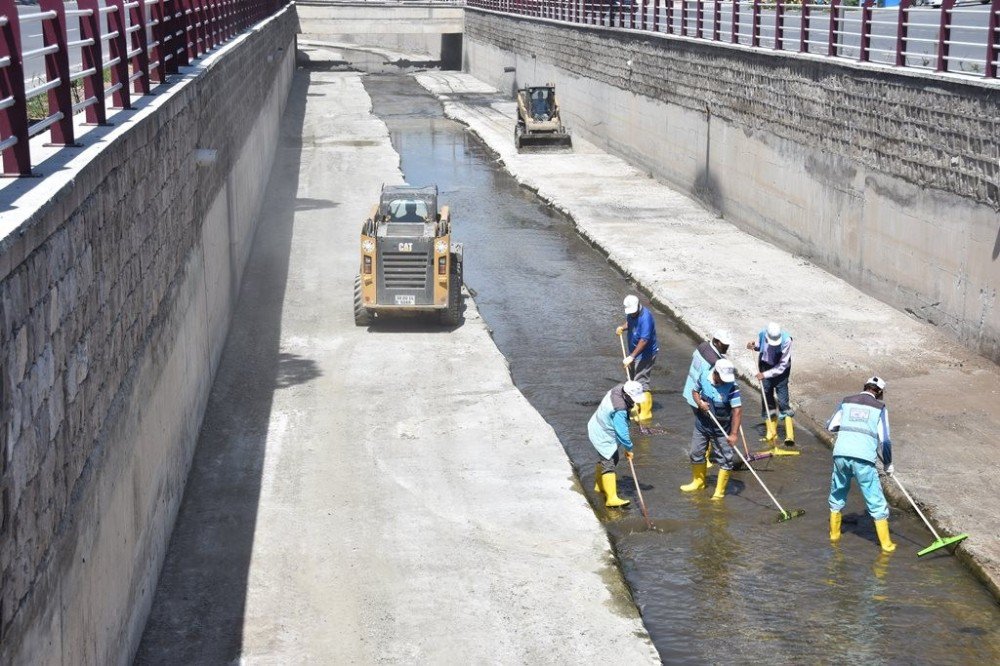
x=887 y=178
x=114 y=303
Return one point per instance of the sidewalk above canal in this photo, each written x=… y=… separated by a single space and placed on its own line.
x=380 y=495
x=944 y=400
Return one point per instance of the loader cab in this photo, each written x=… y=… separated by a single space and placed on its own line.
x=408 y=262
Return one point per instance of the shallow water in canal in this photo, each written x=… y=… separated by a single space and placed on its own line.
x=718 y=581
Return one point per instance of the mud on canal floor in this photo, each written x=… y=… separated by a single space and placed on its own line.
x=719 y=581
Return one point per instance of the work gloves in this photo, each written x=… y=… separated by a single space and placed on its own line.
x=628 y=455
x=627 y=361
x=889 y=470
x=619 y=331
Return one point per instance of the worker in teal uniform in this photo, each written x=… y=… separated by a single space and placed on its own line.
x=608 y=430
x=716 y=394
x=862 y=426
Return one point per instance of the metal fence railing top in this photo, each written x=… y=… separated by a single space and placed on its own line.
x=59 y=59
x=941 y=36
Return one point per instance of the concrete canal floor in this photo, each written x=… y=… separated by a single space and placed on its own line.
x=944 y=399
x=389 y=494
x=382 y=495
x=716 y=583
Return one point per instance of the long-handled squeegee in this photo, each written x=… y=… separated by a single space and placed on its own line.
x=939 y=543
x=785 y=515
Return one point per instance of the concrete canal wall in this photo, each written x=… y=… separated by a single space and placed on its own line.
x=884 y=177
x=118 y=275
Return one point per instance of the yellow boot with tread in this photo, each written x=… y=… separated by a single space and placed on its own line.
x=697 y=478
x=646 y=407
x=597 y=478
x=882 y=529
x=720 y=484
x=789 y=431
x=610 y=483
x=835 y=526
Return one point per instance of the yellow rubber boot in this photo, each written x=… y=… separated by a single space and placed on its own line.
x=772 y=430
x=720 y=484
x=789 y=431
x=708 y=457
x=597 y=479
x=646 y=407
x=610 y=482
x=882 y=529
x=834 y=526
x=697 y=478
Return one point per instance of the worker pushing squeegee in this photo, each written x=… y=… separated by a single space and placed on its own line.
x=774 y=367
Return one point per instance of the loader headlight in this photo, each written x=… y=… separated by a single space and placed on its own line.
x=368 y=246
x=441 y=247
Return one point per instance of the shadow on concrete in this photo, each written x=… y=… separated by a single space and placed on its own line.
x=199 y=606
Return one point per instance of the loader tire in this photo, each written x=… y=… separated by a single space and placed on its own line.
x=361 y=315
x=452 y=316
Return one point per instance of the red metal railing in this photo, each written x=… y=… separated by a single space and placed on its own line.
x=956 y=38
x=94 y=49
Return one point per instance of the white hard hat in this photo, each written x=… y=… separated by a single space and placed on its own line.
x=722 y=335
x=631 y=304
x=774 y=333
x=876 y=381
x=726 y=370
x=634 y=390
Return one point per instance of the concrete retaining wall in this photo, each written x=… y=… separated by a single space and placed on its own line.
x=886 y=178
x=413 y=27
x=116 y=298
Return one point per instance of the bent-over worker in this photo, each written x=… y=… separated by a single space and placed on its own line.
x=862 y=424
x=716 y=393
x=642 y=349
x=774 y=367
x=608 y=429
x=703 y=360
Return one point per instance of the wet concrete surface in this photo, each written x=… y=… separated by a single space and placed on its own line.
x=716 y=581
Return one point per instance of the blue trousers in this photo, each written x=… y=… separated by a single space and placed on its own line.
x=845 y=469
x=776 y=391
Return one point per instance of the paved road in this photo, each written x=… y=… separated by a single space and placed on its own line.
x=383 y=495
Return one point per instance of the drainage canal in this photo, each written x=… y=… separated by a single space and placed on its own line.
x=718 y=582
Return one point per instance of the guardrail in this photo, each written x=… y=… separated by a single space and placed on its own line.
x=957 y=38
x=88 y=50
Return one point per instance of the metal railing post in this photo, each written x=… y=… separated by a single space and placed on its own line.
x=93 y=59
x=179 y=29
x=804 y=29
x=716 y=20
x=866 y=31
x=993 y=40
x=944 y=36
x=779 y=25
x=670 y=16
x=139 y=43
x=734 y=25
x=158 y=50
x=60 y=98
x=118 y=49
x=755 y=24
x=831 y=38
x=14 y=114
x=901 y=32
x=699 y=15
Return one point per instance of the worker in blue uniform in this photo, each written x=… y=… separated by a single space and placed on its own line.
x=862 y=425
x=608 y=429
x=774 y=365
x=642 y=350
x=716 y=393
